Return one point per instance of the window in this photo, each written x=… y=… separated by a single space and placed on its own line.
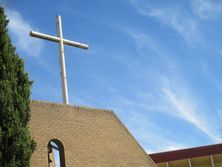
x=56 y=157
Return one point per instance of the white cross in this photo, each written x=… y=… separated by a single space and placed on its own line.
x=61 y=41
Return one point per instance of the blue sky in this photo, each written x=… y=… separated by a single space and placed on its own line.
x=156 y=64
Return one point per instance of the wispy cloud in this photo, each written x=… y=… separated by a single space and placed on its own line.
x=149 y=134
x=172 y=16
x=176 y=98
x=187 y=108
x=20 y=28
x=181 y=103
x=207 y=9
x=160 y=143
x=143 y=42
x=167 y=86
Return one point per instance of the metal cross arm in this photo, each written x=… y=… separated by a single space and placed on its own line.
x=57 y=39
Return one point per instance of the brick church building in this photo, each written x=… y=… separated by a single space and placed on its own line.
x=82 y=137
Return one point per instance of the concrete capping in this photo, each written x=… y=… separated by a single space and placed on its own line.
x=84 y=108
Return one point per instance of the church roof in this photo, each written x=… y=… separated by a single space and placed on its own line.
x=186 y=153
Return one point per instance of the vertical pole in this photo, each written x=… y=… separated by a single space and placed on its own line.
x=62 y=62
x=212 y=161
x=167 y=164
x=189 y=162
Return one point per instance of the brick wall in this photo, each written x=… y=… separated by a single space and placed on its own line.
x=91 y=137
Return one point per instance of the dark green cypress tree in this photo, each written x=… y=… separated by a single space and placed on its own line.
x=16 y=144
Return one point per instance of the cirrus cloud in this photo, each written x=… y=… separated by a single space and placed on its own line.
x=19 y=28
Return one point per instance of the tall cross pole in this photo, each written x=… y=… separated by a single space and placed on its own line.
x=61 y=42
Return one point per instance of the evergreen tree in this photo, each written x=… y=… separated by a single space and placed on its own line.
x=16 y=144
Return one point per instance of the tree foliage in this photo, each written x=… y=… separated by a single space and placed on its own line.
x=16 y=144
